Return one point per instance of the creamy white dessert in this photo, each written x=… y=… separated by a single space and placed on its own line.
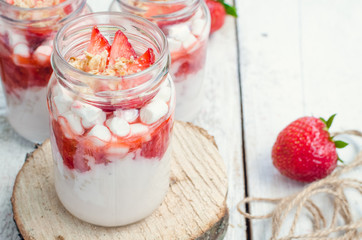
x=112 y=157
x=120 y=193
x=29 y=114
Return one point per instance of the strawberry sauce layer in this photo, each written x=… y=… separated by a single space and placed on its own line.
x=79 y=151
x=190 y=62
x=87 y=133
x=27 y=69
x=25 y=53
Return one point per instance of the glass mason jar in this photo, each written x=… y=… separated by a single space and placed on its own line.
x=186 y=23
x=111 y=147
x=26 y=43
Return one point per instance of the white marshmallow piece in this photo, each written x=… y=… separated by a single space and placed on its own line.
x=101 y=132
x=179 y=32
x=62 y=102
x=164 y=94
x=99 y=120
x=20 y=51
x=42 y=54
x=74 y=123
x=153 y=111
x=190 y=40
x=118 y=126
x=198 y=26
x=15 y=39
x=130 y=115
x=89 y=114
x=138 y=129
x=173 y=44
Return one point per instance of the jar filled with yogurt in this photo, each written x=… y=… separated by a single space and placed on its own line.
x=186 y=23
x=27 y=30
x=111 y=103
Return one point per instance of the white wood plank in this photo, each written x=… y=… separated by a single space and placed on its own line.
x=12 y=155
x=221 y=116
x=297 y=58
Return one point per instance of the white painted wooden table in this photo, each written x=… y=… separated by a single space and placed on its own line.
x=280 y=60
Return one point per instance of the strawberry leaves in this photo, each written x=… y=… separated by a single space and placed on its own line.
x=328 y=123
x=339 y=144
x=230 y=10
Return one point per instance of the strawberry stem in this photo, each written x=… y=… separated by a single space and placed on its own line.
x=337 y=143
x=230 y=10
x=340 y=160
x=328 y=123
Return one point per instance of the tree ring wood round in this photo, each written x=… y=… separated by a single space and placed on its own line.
x=194 y=208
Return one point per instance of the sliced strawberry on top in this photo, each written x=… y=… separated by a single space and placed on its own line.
x=143 y=62
x=98 y=43
x=146 y=59
x=121 y=48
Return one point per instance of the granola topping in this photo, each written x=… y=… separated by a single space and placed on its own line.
x=97 y=64
x=34 y=3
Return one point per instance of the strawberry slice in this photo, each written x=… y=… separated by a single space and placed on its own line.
x=121 y=48
x=159 y=142
x=143 y=62
x=146 y=59
x=67 y=147
x=98 y=43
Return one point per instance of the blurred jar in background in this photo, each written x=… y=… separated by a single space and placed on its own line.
x=186 y=23
x=27 y=30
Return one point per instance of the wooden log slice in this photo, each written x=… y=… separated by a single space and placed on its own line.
x=194 y=208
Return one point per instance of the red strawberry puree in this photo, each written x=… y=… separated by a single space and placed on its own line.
x=111 y=157
x=25 y=50
x=186 y=25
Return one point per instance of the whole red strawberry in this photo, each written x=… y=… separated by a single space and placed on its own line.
x=304 y=150
x=218 y=9
x=217 y=12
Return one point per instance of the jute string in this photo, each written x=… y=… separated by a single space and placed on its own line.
x=332 y=186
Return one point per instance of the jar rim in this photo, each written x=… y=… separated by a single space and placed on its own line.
x=187 y=10
x=17 y=8
x=12 y=8
x=166 y=1
x=160 y=61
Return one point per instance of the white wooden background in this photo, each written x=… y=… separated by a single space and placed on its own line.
x=289 y=58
